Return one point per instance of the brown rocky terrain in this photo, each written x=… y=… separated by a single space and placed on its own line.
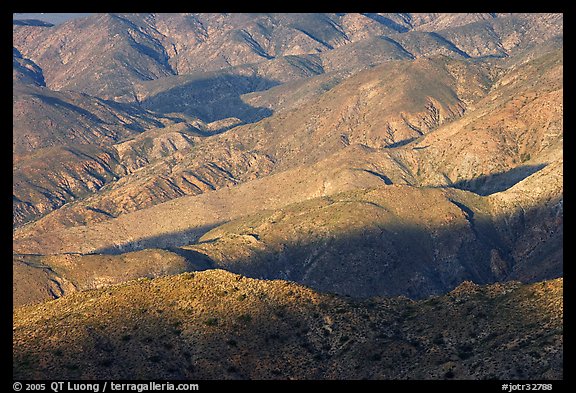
x=288 y=196
x=347 y=102
x=51 y=177
x=449 y=235
x=357 y=243
x=25 y=71
x=453 y=88
x=218 y=325
x=339 y=117
x=38 y=278
x=46 y=118
x=494 y=160
x=62 y=142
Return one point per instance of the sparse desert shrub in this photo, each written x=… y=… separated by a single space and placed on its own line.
x=176 y=327
x=106 y=362
x=325 y=86
x=376 y=357
x=245 y=318
x=370 y=305
x=490 y=336
x=438 y=339
x=211 y=322
x=465 y=351
x=525 y=157
x=241 y=297
x=274 y=336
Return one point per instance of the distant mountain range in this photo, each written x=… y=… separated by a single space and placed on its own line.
x=48 y=17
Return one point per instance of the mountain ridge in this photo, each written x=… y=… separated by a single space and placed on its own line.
x=279 y=330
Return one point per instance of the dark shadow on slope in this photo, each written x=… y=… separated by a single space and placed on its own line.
x=196 y=260
x=57 y=102
x=498 y=182
x=399 y=46
x=386 y=22
x=103 y=212
x=156 y=54
x=384 y=178
x=449 y=44
x=375 y=262
x=123 y=108
x=136 y=111
x=413 y=260
x=166 y=241
x=212 y=98
x=403 y=142
x=359 y=264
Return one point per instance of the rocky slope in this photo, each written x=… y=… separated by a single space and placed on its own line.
x=320 y=125
x=532 y=222
x=352 y=156
x=333 y=110
x=189 y=329
x=62 y=142
x=366 y=243
x=40 y=278
x=25 y=71
x=44 y=118
x=488 y=149
x=516 y=129
x=342 y=242
x=365 y=237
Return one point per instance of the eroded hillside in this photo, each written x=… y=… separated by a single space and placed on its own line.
x=288 y=196
x=217 y=325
